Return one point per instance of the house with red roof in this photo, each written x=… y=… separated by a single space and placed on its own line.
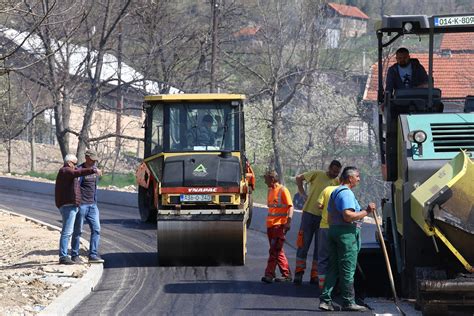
x=246 y=33
x=343 y=21
x=340 y=21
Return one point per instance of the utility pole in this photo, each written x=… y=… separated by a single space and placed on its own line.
x=118 y=120
x=215 y=15
x=363 y=62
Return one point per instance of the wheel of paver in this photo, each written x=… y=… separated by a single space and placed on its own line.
x=145 y=205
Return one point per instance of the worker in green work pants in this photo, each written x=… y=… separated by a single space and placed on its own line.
x=345 y=215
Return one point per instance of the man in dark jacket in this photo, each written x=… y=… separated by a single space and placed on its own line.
x=406 y=73
x=68 y=197
x=89 y=211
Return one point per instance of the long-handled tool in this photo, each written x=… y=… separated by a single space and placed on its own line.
x=387 y=261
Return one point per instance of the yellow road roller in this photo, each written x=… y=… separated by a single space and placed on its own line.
x=195 y=180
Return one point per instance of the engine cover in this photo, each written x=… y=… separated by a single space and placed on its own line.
x=201 y=170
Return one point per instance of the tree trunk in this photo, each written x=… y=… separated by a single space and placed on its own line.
x=60 y=135
x=94 y=96
x=83 y=140
x=276 y=133
x=32 y=145
x=116 y=158
x=215 y=12
x=9 y=155
x=66 y=106
x=118 y=120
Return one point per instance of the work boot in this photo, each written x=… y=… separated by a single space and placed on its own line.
x=326 y=306
x=298 y=278
x=76 y=259
x=95 y=259
x=267 y=279
x=65 y=260
x=286 y=279
x=354 y=307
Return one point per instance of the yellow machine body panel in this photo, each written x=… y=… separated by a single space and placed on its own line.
x=457 y=175
x=443 y=206
x=198 y=97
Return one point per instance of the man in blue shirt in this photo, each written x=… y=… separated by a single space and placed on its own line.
x=406 y=73
x=89 y=211
x=344 y=216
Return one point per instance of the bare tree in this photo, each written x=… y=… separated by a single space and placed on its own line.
x=282 y=60
x=72 y=49
x=99 y=38
x=171 y=43
x=9 y=116
x=46 y=61
x=10 y=12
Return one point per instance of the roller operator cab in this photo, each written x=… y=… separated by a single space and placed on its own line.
x=195 y=180
x=426 y=145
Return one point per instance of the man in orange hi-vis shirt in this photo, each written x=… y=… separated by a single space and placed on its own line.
x=280 y=212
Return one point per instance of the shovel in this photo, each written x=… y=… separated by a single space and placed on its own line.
x=387 y=262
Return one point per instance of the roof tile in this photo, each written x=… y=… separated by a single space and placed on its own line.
x=458 y=41
x=348 y=10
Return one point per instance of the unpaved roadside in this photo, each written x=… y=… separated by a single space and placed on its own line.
x=30 y=276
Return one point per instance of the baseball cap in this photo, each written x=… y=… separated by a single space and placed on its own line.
x=92 y=154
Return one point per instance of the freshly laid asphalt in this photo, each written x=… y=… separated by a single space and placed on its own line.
x=133 y=283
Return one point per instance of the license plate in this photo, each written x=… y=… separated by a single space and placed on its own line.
x=195 y=198
x=454 y=20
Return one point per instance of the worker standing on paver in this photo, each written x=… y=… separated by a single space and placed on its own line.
x=311 y=218
x=280 y=212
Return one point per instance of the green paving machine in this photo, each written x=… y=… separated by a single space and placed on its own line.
x=426 y=145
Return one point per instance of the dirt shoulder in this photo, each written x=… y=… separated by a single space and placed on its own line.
x=30 y=276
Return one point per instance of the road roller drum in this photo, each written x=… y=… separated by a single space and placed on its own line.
x=206 y=241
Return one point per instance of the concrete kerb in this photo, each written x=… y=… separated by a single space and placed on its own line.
x=70 y=298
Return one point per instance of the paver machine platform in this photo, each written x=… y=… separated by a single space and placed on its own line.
x=427 y=143
x=195 y=180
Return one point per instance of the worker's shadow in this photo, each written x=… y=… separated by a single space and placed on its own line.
x=244 y=287
x=41 y=253
x=127 y=223
x=258 y=288
x=130 y=259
